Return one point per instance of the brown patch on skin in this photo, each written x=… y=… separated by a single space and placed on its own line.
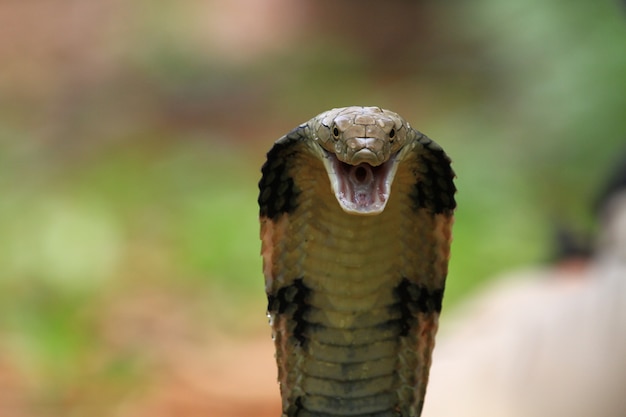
x=429 y=325
x=289 y=387
x=443 y=235
x=267 y=247
x=272 y=233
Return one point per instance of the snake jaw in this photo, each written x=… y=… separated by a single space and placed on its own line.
x=361 y=189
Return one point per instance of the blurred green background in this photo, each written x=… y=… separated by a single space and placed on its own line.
x=132 y=134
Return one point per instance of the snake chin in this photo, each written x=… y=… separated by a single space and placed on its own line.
x=361 y=189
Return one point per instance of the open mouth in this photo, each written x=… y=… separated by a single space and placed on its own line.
x=363 y=188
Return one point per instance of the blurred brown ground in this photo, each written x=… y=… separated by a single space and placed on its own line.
x=58 y=59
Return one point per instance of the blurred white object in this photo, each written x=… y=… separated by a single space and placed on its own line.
x=541 y=343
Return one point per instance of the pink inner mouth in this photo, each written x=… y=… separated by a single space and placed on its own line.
x=362 y=189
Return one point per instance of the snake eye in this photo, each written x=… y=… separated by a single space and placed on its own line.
x=392 y=133
x=336 y=132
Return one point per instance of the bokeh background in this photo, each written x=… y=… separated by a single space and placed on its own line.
x=131 y=138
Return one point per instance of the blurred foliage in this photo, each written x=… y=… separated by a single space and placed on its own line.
x=129 y=156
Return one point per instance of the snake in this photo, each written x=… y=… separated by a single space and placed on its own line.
x=356 y=210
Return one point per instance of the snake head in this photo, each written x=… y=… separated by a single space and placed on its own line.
x=360 y=148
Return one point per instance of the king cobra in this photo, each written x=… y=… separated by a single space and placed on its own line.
x=356 y=211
